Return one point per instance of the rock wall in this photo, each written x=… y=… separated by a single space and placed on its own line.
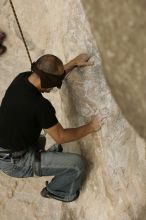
x=115 y=185
x=119 y=29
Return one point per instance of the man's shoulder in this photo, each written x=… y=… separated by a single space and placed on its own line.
x=45 y=104
x=18 y=80
x=45 y=101
x=22 y=76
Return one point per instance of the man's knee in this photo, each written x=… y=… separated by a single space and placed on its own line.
x=79 y=163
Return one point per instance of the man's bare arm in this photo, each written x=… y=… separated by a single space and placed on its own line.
x=69 y=66
x=79 y=61
x=61 y=135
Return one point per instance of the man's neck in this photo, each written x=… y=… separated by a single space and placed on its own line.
x=35 y=80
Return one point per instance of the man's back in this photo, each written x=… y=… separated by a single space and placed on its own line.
x=23 y=114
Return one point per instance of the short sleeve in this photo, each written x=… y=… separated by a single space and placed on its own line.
x=46 y=115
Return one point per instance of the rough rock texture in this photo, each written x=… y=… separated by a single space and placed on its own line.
x=115 y=186
x=119 y=28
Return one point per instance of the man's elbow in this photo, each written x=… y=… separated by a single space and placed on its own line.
x=60 y=139
x=58 y=134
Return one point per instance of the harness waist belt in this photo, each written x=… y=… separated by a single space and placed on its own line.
x=7 y=152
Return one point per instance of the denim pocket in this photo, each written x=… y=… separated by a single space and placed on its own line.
x=7 y=166
x=19 y=168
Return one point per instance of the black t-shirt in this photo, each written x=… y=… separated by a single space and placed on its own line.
x=24 y=112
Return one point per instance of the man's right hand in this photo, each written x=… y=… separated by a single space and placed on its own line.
x=95 y=123
x=61 y=135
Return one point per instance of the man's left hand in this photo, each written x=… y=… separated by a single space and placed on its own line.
x=79 y=61
x=82 y=60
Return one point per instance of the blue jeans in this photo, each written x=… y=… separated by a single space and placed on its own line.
x=68 y=170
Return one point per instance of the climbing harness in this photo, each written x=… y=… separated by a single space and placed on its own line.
x=20 y=29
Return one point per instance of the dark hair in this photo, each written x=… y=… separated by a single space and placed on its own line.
x=46 y=67
x=49 y=64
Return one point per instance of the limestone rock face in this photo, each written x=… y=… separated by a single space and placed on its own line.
x=115 y=186
x=119 y=29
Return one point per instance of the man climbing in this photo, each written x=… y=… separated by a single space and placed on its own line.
x=24 y=112
x=2 y=47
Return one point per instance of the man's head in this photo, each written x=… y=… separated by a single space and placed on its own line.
x=50 y=70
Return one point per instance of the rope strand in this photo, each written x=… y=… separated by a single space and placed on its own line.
x=20 y=29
